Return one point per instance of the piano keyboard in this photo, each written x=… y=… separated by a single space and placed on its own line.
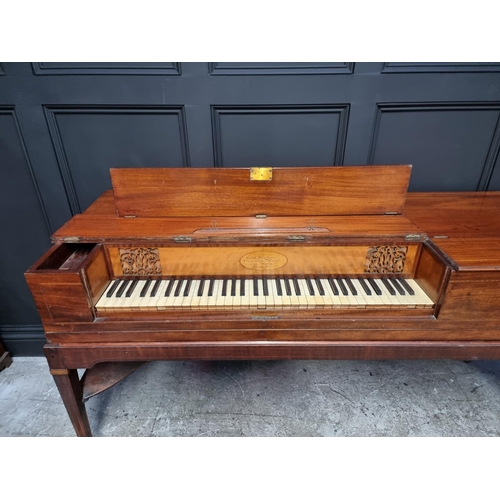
x=261 y=293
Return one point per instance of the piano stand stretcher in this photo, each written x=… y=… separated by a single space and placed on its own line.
x=125 y=358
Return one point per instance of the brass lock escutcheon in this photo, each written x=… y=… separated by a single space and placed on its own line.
x=261 y=173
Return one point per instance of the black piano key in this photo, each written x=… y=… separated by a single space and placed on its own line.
x=342 y=287
x=145 y=288
x=255 y=287
x=407 y=286
x=188 y=287
x=321 y=290
x=287 y=287
x=178 y=287
x=242 y=287
x=388 y=286
x=120 y=291
x=131 y=288
x=296 y=286
x=397 y=286
x=278 y=287
x=265 y=289
x=233 y=287
x=211 y=287
x=224 y=287
x=374 y=285
x=333 y=286
x=200 y=287
x=309 y=286
x=351 y=286
x=155 y=288
x=365 y=286
x=110 y=292
x=168 y=291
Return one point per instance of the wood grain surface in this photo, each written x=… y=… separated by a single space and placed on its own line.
x=214 y=192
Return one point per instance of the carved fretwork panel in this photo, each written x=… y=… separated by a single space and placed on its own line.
x=141 y=261
x=385 y=259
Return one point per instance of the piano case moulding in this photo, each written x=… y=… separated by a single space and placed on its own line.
x=352 y=226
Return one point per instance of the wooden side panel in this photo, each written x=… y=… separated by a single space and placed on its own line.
x=96 y=274
x=171 y=192
x=56 y=283
x=472 y=297
x=430 y=273
x=66 y=302
x=251 y=261
x=59 y=298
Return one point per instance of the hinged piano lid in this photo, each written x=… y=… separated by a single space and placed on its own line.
x=245 y=192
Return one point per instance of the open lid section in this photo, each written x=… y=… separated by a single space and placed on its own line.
x=243 y=192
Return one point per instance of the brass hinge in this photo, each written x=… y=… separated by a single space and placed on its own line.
x=71 y=239
x=261 y=173
x=413 y=237
x=260 y=216
x=129 y=216
x=297 y=237
x=391 y=213
x=182 y=239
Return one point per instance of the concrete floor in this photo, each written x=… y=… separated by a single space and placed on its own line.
x=273 y=398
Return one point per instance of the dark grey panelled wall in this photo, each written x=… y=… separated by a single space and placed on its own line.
x=63 y=125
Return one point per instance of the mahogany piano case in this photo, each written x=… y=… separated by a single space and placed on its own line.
x=266 y=263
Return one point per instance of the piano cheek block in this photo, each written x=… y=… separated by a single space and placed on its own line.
x=166 y=266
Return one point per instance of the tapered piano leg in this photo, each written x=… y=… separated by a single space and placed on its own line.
x=70 y=389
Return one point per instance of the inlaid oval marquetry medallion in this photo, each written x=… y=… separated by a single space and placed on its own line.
x=263 y=260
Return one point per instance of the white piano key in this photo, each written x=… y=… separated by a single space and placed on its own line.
x=311 y=303
x=318 y=298
x=159 y=300
x=421 y=298
x=328 y=297
x=169 y=301
x=278 y=299
x=285 y=298
x=362 y=297
x=247 y=299
x=119 y=303
x=143 y=302
x=270 y=295
x=177 y=302
x=195 y=300
x=212 y=300
x=374 y=300
x=405 y=300
x=261 y=300
x=135 y=298
x=338 y=299
x=101 y=303
x=386 y=297
x=344 y=300
x=203 y=304
x=153 y=302
x=219 y=301
x=353 y=302
x=303 y=302
x=228 y=299
x=188 y=299
x=237 y=297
